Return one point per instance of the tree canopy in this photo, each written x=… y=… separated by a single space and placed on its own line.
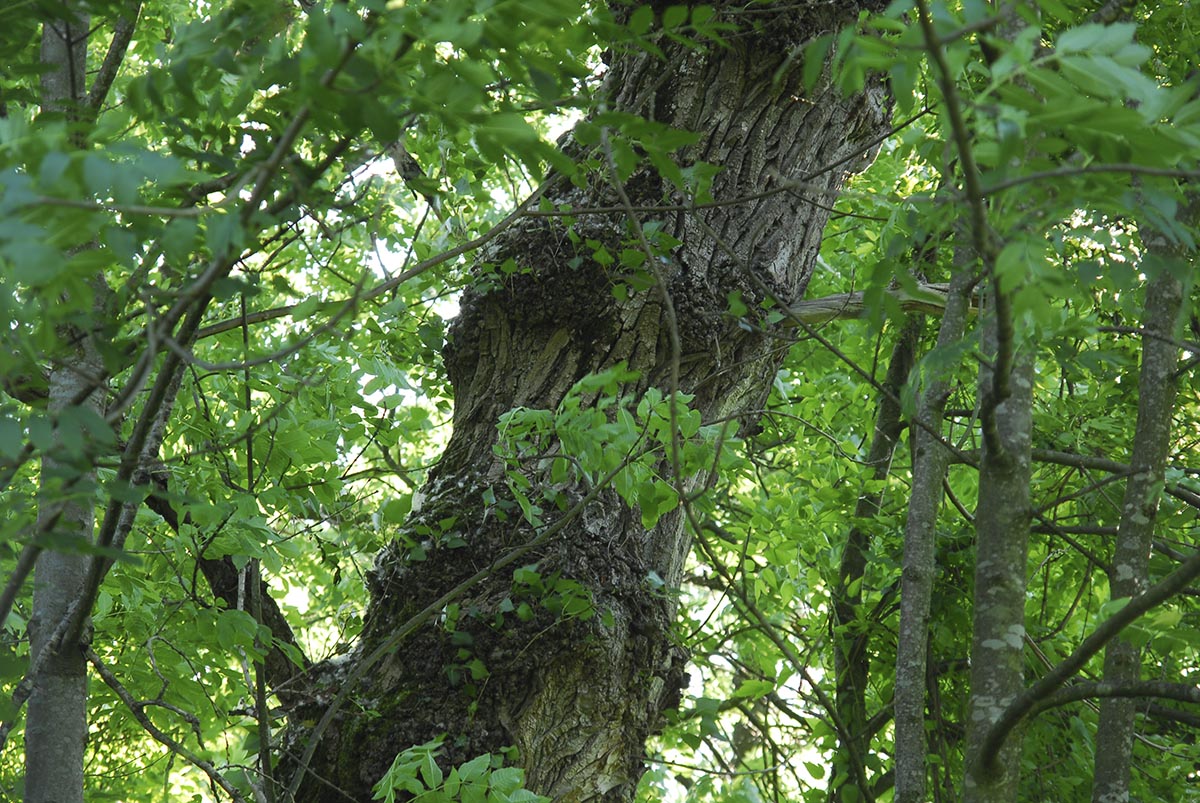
x=485 y=400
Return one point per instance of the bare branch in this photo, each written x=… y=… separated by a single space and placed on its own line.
x=800 y=665
x=925 y=298
x=1117 y=167
x=1090 y=690
x=127 y=209
x=398 y=279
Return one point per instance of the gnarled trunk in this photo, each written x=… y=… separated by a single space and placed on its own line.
x=578 y=697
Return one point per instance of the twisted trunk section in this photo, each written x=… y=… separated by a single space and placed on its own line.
x=578 y=697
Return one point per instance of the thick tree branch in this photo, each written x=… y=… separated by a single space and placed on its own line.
x=1094 y=463
x=930 y=299
x=1139 y=512
x=851 y=658
x=930 y=463
x=1167 y=714
x=140 y=453
x=1091 y=690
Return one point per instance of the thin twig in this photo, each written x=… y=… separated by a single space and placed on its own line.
x=997 y=389
x=801 y=666
x=400 y=278
x=138 y=709
x=124 y=209
x=1113 y=167
x=1090 y=690
x=1168 y=587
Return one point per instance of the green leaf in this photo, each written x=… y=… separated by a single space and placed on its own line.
x=1095 y=38
x=754 y=689
x=474 y=792
x=431 y=773
x=395 y=511
x=12 y=438
x=640 y=20
x=222 y=234
x=475 y=768
x=179 y=240
x=305 y=309
x=507 y=780
x=235 y=629
x=674 y=16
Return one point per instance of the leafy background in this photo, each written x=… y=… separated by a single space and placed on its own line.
x=309 y=460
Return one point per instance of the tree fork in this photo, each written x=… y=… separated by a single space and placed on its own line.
x=578 y=698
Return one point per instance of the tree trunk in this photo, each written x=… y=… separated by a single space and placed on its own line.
x=1139 y=510
x=930 y=462
x=851 y=659
x=578 y=697
x=1001 y=551
x=56 y=721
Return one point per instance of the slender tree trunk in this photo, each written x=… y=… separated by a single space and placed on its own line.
x=56 y=720
x=578 y=697
x=930 y=462
x=1139 y=509
x=851 y=660
x=1002 y=539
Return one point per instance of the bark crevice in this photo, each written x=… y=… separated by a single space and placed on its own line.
x=576 y=695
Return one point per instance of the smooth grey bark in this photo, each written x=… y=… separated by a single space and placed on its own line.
x=64 y=60
x=1002 y=519
x=56 y=720
x=930 y=463
x=578 y=697
x=851 y=660
x=1135 y=532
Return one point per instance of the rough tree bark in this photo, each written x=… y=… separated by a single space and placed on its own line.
x=579 y=698
x=1139 y=510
